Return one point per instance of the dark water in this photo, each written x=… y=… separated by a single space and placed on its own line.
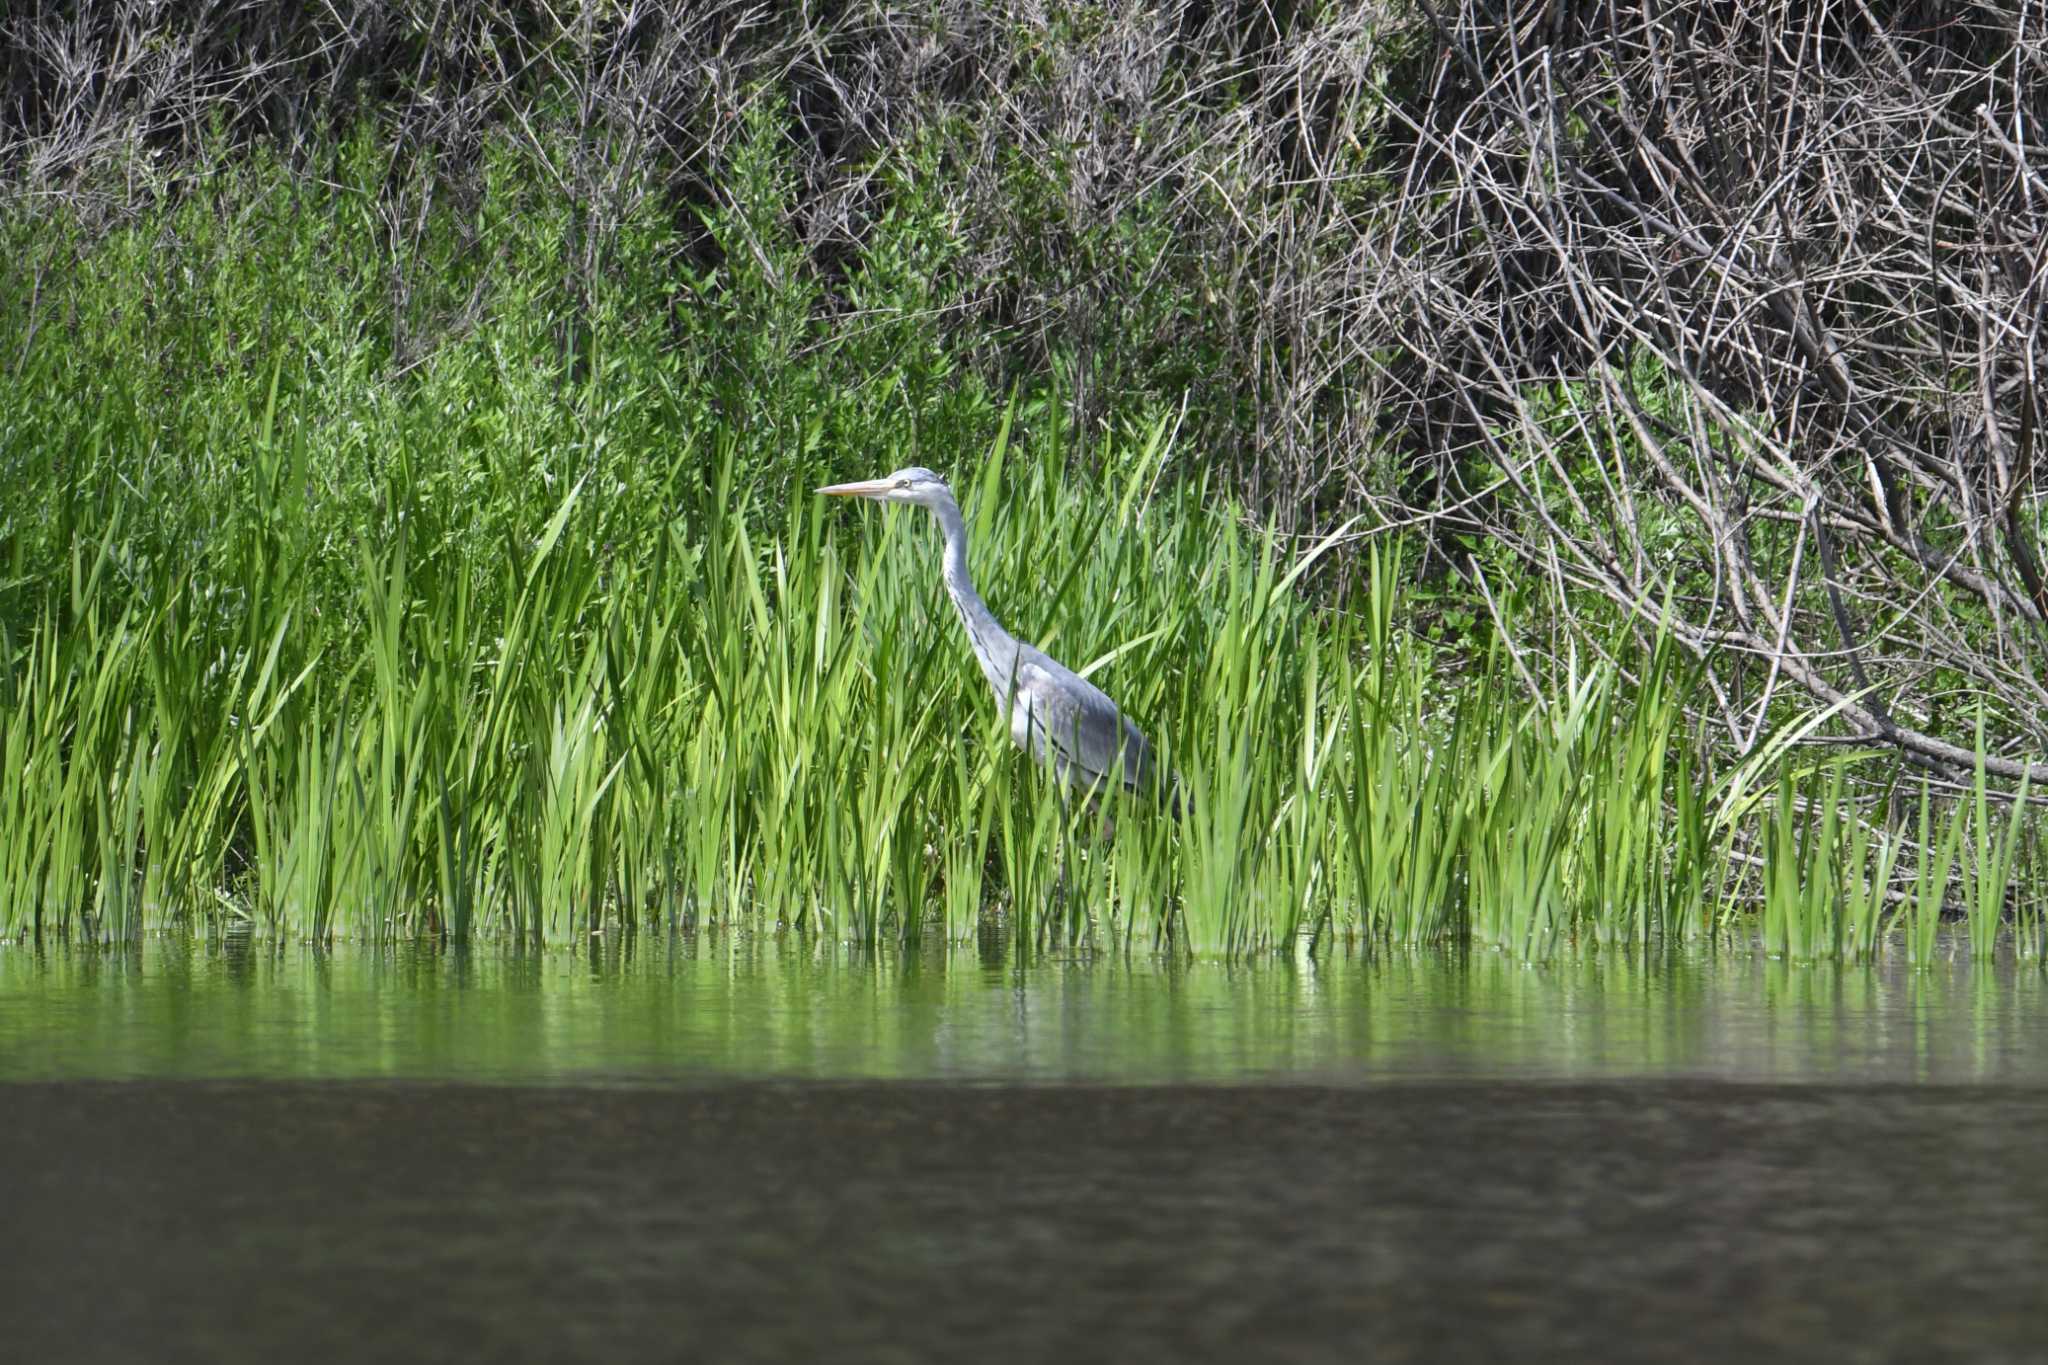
x=744 y=1150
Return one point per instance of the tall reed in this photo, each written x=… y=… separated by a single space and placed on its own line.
x=541 y=637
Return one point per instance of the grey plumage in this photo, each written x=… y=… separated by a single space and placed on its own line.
x=1058 y=717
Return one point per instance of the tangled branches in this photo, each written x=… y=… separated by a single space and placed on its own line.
x=1736 y=313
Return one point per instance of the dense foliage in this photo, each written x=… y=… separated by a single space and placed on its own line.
x=408 y=416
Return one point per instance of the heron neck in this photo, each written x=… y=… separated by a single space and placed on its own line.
x=984 y=632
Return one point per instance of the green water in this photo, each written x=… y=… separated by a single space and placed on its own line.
x=703 y=1147
x=652 y=1009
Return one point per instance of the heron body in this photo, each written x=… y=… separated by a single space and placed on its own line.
x=1057 y=716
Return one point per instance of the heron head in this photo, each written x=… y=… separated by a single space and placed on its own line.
x=913 y=484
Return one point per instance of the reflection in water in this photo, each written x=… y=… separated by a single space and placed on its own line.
x=1562 y=1187
x=647 y=1008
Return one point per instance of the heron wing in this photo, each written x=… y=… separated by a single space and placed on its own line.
x=1063 y=718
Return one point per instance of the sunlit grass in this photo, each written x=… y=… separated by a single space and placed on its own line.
x=529 y=642
x=782 y=729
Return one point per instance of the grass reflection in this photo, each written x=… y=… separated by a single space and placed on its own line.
x=676 y=1007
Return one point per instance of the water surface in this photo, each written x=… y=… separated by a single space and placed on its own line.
x=750 y=1149
x=653 y=1009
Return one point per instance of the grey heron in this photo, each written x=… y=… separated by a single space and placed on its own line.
x=1057 y=716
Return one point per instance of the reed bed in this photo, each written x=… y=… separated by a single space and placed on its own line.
x=782 y=730
x=540 y=634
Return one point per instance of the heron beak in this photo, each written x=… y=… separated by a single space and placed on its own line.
x=867 y=488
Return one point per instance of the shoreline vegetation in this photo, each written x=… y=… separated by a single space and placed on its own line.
x=408 y=527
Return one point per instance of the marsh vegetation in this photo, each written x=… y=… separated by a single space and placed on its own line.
x=408 y=527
